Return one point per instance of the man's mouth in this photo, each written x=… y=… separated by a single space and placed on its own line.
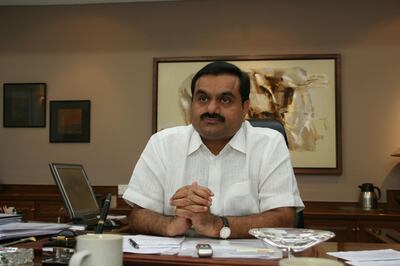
x=212 y=118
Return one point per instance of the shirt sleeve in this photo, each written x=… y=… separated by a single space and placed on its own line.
x=146 y=185
x=278 y=186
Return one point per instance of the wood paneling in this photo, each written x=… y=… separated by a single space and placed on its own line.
x=44 y=203
x=349 y=222
x=345 y=219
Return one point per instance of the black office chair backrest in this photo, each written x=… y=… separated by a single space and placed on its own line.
x=275 y=124
x=270 y=123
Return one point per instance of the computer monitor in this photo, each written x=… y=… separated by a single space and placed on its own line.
x=76 y=192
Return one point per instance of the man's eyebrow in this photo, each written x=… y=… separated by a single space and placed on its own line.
x=200 y=91
x=228 y=93
x=223 y=94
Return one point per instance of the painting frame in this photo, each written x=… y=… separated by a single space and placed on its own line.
x=24 y=105
x=69 y=121
x=170 y=67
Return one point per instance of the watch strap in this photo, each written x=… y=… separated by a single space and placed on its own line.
x=225 y=231
x=224 y=221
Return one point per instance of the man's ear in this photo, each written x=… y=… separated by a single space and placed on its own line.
x=246 y=106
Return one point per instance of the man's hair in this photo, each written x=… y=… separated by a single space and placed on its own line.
x=221 y=67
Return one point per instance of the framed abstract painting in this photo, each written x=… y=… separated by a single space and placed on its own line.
x=300 y=91
x=24 y=105
x=70 y=121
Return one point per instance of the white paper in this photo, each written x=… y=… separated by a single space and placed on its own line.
x=31 y=225
x=19 y=229
x=375 y=263
x=235 y=248
x=6 y=218
x=113 y=217
x=367 y=255
x=116 y=217
x=152 y=244
x=232 y=248
x=8 y=215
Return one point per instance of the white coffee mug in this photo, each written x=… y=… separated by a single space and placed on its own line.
x=309 y=262
x=98 y=250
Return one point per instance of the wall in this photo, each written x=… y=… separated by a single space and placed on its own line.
x=104 y=53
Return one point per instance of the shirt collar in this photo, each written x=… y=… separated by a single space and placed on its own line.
x=238 y=142
x=194 y=142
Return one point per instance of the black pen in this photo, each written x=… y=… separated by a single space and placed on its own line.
x=103 y=215
x=133 y=243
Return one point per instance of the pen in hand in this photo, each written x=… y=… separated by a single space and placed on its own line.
x=133 y=243
x=103 y=215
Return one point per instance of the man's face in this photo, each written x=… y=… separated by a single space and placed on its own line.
x=217 y=110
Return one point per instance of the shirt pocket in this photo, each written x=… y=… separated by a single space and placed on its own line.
x=239 y=200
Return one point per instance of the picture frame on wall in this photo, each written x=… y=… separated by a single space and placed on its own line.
x=70 y=121
x=300 y=91
x=24 y=105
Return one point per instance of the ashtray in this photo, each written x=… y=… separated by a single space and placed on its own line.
x=16 y=256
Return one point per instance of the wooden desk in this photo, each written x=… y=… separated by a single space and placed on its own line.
x=44 y=203
x=317 y=251
x=153 y=260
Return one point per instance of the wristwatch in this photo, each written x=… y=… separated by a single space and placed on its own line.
x=225 y=231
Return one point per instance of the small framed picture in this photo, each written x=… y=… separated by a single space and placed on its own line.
x=70 y=121
x=24 y=105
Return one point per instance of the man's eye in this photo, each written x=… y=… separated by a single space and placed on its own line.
x=226 y=99
x=203 y=98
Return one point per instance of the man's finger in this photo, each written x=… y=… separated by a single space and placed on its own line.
x=203 y=192
x=200 y=191
x=196 y=186
x=183 y=213
x=180 y=202
x=196 y=208
x=194 y=198
x=182 y=192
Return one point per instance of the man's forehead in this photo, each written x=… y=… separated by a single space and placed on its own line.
x=217 y=82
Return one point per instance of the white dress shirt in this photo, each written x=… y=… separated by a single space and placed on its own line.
x=252 y=174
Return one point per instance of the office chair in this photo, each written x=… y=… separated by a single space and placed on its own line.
x=275 y=124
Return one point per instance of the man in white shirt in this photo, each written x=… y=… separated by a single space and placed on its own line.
x=219 y=176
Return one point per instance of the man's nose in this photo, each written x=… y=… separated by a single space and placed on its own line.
x=213 y=107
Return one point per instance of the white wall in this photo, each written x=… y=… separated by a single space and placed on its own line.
x=104 y=53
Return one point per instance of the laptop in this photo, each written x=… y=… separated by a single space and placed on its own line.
x=76 y=192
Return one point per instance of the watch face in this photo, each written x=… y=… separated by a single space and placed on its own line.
x=225 y=232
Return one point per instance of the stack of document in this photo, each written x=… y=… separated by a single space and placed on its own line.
x=9 y=218
x=235 y=248
x=18 y=229
x=382 y=257
x=144 y=244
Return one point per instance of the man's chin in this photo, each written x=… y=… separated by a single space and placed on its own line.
x=212 y=134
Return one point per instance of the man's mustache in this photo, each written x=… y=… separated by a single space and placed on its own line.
x=213 y=116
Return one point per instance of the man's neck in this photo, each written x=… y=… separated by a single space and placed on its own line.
x=215 y=146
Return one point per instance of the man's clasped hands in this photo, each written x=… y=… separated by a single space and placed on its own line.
x=192 y=203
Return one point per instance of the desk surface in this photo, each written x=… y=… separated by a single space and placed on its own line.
x=317 y=251
x=152 y=260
